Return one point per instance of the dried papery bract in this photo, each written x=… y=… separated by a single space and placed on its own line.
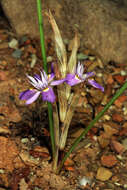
x=56 y=123
x=57 y=135
x=59 y=45
x=62 y=66
x=69 y=115
x=72 y=61
x=73 y=58
x=62 y=101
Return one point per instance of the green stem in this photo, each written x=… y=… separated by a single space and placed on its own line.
x=99 y=115
x=40 y=21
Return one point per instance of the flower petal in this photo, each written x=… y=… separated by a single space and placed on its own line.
x=50 y=77
x=57 y=82
x=33 y=80
x=37 y=83
x=29 y=95
x=48 y=95
x=52 y=67
x=87 y=75
x=36 y=76
x=80 y=70
x=72 y=79
x=44 y=78
x=96 y=85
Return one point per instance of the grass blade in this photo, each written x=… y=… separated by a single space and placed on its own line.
x=99 y=115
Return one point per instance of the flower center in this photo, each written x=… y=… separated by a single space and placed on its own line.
x=45 y=90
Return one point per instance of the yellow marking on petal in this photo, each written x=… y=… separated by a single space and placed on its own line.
x=49 y=75
x=31 y=88
x=77 y=77
x=45 y=90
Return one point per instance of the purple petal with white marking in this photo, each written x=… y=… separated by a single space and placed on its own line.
x=39 y=84
x=36 y=76
x=29 y=95
x=48 y=95
x=96 y=85
x=44 y=78
x=80 y=70
x=57 y=82
x=32 y=79
x=72 y=79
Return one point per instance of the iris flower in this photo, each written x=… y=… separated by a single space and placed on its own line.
x=42 y=85
x=78 y=76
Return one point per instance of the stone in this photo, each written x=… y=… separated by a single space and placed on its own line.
x=103 y=174
x=118 y=147
x=13 y=44
x=102 y=25
x=17 y=53
x=84 y=181
x=33 y=60
x=120 y=101
x=8 y=152
x=103 y=140
x=4 y=130
x=117 y=117
x=7 y=107
x=120 y=79
x=40 y=152
x=27 y=159
x=109 y=160
x=110 y=131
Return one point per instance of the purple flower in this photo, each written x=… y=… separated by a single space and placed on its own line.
x=42 y=85
x=78 y=77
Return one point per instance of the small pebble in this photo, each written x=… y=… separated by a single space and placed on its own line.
x=13 y=44
x=32 y=139
x=119 y=157
x=24 y=140
x=17 y=53
x=34 y=60
x=125 y=111
x=107 y=117
x=2 y=171
x=123 y=73
x=84 y=181
x=49 y=59
x=99 y=75
x=103 y=174
x=125 y=185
